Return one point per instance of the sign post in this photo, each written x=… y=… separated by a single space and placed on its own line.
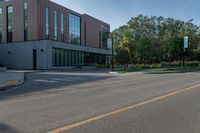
x=186 y=46
x=110 y=46
x=186 y=42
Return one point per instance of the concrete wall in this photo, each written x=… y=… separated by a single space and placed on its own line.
x=20 y=55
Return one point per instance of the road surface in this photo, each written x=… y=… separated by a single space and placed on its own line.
x=91 y=102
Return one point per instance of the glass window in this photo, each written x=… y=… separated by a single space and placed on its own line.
x=47 y=22
x=82 y=59
x=62 y=57
x=69 y=58
x=9 y=24
x=1 y=25
x=73 y=58
x=55 y=25
x=62 y=26
x=103 y=39
x=53 y=57
x=57 y=57
x=66 y=57
x=74 y=29
x=25 y=21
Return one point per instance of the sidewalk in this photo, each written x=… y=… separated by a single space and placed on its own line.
x=10 y=79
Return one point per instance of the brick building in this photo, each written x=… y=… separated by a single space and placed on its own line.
x=40 y=34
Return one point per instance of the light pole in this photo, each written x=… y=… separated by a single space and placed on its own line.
x=102 y=28
x=110 y=42
x=113 y=67
x=185 y=42
x=109 y=36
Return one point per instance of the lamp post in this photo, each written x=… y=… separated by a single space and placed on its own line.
x=185 y=42
x=109 y=36
x=113 y=68
x=102 y=29
x=110 y=42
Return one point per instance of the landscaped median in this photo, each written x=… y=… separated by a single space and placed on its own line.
x=10 y=79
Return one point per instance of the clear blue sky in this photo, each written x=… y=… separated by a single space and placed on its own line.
x=118 y=12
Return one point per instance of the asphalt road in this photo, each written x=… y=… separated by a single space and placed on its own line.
x=94 y=102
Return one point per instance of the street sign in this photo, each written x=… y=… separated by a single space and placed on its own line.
x=109 y=43
x=186 y=42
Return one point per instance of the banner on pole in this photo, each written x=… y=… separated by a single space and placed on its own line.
x=186 y=42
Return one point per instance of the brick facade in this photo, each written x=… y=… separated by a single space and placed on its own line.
x=90 y=27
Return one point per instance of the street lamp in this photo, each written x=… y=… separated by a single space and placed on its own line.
x=110 y=36
x=113 y=68
x=110 y=41
x=102 y=26
x=186 y=41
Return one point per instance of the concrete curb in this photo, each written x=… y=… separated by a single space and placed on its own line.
x=113 y=73
x=3 y=69
x=8 y=84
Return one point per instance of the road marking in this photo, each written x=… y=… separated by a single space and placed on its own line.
x=46 y=81
x=62 y=79
x=93 y=119
x=12 y=82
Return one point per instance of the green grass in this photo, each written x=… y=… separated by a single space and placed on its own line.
x=161 y=70
x=130 y=70
x=179 y=70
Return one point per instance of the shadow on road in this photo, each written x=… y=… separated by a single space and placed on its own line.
x=7 y=129
x=51 y=81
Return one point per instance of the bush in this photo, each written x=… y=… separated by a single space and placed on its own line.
x=172 y=64
x=142 y=66
x=178 y=64
x=193 y=63
x=102 y=66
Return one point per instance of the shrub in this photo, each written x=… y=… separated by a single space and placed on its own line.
x=172 y=64
x=192 y=63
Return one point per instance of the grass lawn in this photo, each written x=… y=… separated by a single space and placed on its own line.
x=161 y=70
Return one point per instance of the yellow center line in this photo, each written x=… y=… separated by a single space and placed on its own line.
x=92 y=119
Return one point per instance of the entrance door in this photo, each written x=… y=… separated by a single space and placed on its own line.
x=34 y=59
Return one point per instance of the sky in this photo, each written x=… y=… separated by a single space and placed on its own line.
x=118 y=12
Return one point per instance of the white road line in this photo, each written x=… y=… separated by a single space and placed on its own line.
x=46 y=81
x=61 y=79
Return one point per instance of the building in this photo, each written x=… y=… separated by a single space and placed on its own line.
x=40 y=34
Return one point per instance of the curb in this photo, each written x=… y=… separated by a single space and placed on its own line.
x=12 y=83
x=113 y=73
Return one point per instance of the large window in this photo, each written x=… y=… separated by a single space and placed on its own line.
x=54 y=56
x=55 y=25
x=1 y=25
x=9 y=24
x=47 y=23
x=62 y=26
x=74 y=29
x=25 y=21
x=103 y=39
x=64 y=57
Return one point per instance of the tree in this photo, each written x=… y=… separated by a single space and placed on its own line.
x=145 y=39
